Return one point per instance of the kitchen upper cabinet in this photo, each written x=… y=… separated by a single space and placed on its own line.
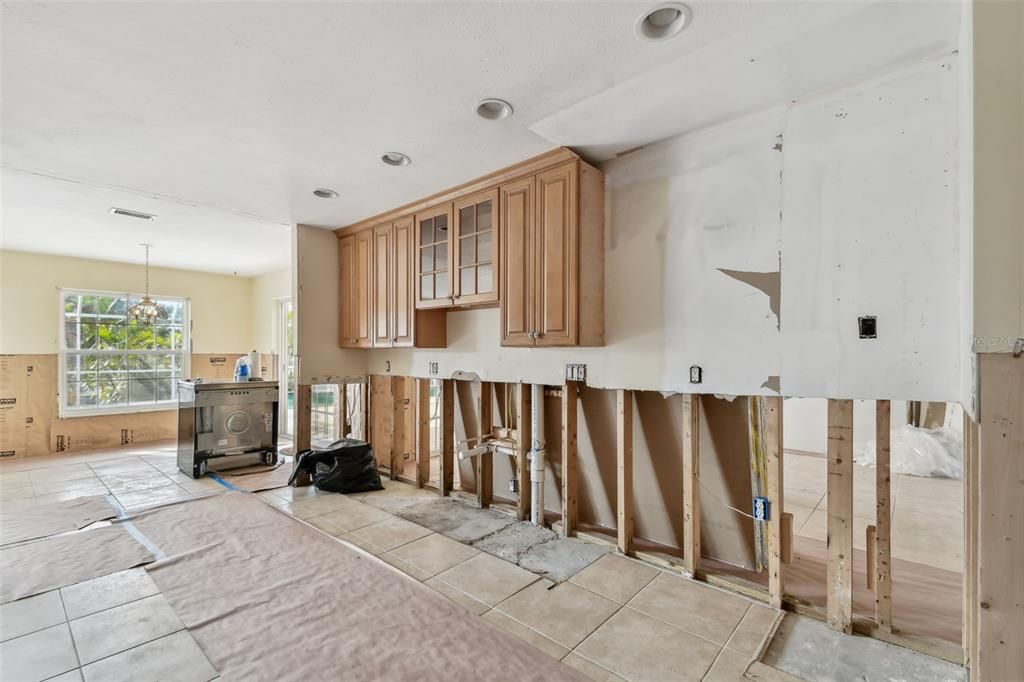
x=355 y=255
x=434 y=257
x=553 y=248
x=475 y=266
x=529 y=238
x=517 y=243
x=376 y=296
x=383 y=285
x=403 y=304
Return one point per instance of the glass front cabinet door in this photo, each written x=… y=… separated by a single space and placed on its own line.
x=475 y=262
x=433 y=257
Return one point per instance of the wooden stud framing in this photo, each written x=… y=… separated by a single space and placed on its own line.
x=397 y=427
x=484 y=463
x=839 y=587
x=871 y=552
x=422 y=432
x=970 y=626
x=343 y=406
x=624 y=477
x=882 y=577
x=524 y=429
x=999 y=473
x=691 y=483
x=774 y=490
x=303 y=426
x=786 y=538
x=570 y=471
x=447 y=476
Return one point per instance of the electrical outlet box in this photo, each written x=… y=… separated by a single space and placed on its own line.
x=762 y=511
x=576 y=373
x=696 y=374
x=433 y=368
x=513 y=485
x=387 y=365
x=867 y=327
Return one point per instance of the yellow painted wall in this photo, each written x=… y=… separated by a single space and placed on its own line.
x=267 y=292
x=222 y=305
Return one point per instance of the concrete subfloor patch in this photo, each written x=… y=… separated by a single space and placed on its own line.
x=808 y=649
x=512 y=542
x=455 y=520
x=562 y=558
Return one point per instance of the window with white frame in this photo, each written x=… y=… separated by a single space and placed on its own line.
x=111 y=363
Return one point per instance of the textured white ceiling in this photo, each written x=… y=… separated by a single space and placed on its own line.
x=231 y=113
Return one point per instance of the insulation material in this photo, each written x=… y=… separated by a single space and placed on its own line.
x=44 y=565
x=42 y=520
x=935 y=452
x=355 y=616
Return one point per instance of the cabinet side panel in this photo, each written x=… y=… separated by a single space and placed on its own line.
x=591 y=268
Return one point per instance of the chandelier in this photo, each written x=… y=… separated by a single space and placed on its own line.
x=147 y=311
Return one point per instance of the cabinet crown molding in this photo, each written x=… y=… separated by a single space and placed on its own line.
x=534 y=164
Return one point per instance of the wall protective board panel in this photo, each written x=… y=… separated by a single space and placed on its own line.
x=870 y=227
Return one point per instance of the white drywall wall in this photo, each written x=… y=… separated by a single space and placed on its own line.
x=862 y=203
x=870 y=227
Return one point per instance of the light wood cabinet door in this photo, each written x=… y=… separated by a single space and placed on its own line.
x=383 y=283
x=517 y=255
x=347 y=292
x=433 y=284
x=556 y=297
x=475 y=271
x=362 y=323
x=402 y=304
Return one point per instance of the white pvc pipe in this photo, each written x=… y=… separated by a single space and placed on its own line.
x=537 y=454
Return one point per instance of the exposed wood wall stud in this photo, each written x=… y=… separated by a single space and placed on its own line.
x=303 y=427
x=447 y=477
x=624 y=477
x=691 y=483
x=523 y=430
x=774 y=489
x=422 y=432
x=398 y=448
x=484 y=463
x=570 y=470
x=882 y=577
x=839 y=586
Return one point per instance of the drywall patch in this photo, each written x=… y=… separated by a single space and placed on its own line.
x=770 y=283
x=772 y=383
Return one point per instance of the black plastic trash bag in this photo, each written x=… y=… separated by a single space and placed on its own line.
x=345 y=466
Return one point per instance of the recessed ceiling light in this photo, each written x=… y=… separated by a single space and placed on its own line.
x=663 y=21
x=396 y=159
x=325 y=193
x=493 y=109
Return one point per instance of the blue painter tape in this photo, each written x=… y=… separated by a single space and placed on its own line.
x=133 y=530
x=223 y=482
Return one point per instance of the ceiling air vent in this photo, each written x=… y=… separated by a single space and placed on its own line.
x=132 y=214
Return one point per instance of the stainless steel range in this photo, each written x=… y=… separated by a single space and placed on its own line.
x=226 y=425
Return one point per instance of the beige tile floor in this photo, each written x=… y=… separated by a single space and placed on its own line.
x=927 y=513
x=618 y=619
x=118 y=627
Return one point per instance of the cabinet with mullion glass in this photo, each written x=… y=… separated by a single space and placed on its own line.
x=433 y=257
x=475 y=263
